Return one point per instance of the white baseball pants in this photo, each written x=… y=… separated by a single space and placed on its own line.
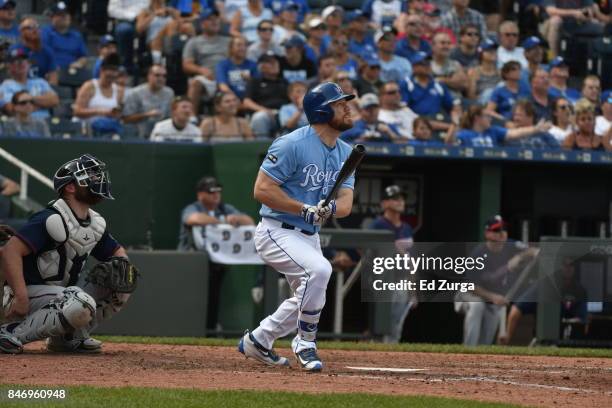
x=298 y=256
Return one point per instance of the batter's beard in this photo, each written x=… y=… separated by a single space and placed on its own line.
x=83 y=195
x=340 y=125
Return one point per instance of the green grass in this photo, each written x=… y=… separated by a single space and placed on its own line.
x=366 y=346
x=129 y=397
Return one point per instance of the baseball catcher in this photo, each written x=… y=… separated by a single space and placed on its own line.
x=46 y=295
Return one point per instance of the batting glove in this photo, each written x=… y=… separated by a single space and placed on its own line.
x=326 y=211
x=310 y=215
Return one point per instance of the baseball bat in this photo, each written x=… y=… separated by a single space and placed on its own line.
x=350 y=165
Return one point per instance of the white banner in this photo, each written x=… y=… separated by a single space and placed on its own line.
x=228 y=245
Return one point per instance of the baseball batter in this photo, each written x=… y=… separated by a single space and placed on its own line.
x=43 y=295
x=298 y=172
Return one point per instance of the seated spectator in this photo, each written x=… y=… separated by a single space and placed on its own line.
x=277 y=6
x=344 y=61
x=534 y=54
x=575 y=17
x=294 y=65
x=333 y=17
x=264 y=41
x=226 y=8
x=508 y=49
x=383 y=12
x=559 y=76
x=125 y=13
x=152 y=19
x=466 y=53
x=413 y=41
x=433 y=25
x=476 y=130
x=265 y=95
x=539 y=97
x=460 y=14
x=524 y=116
x=148 y=102
x=562 y=119
x=591 y=90
x=325 y=72
x=43 y=96
x=108 y=45
x=44 y=64
x=584 y=138
x=393 y=111
x=446 y=70
x=99 y=101
x=22 y=124
x=291 y=115
x=232 y=74
x=177 y=128
x=361 y=42
x=343 y=79
x=169 y=40
x=314 y=43
x=202 y=54
x=225 y=125
x=369 y=80
x=9 y=31
x=287 y=25
x=422 y=131
x=424 y=95
x=66 y=43
x=505 y=95
x=603 y=122
x=483 y=78
x=245 y=21
x=369 y=128
x=392 y=67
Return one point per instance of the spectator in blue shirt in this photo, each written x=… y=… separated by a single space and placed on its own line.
x=392 y=67
x=559 y=75
x=413 y=41
x=277 y=6
x=361 y=42
x=44 y=64
x=291 y=115
x=43 y=96
x=422 y=131
x=524 y=116
x=424 y=95
x=314 y=44
x=539 y=96
x=534 y=54
x=506 y=94
x=9 y=32
x=344 y=61
x=476 y=130
x=332 y=17
x=369 y=128
x=234 y=73
x=108 y=46
x=66 y=43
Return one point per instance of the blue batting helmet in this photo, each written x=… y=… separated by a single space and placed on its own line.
x=317 y=101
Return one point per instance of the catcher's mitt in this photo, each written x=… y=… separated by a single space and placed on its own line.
x=117 y=274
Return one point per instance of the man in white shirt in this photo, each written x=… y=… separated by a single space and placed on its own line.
x=177 y=128
x=508 y=50
x=125 y=12
x=393 y=111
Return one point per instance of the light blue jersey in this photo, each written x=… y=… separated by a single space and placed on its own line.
x=306 y=169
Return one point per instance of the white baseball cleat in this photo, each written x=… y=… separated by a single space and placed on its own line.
x=9 y=344
x=309 y=360
x=60 y=345
x=251 y=348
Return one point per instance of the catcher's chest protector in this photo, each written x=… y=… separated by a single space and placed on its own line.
x=75 y=243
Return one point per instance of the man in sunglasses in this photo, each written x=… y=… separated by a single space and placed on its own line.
x=508 y=49
x=149 y=102
x=23 y=124
x=44 y=64
x=265 y=41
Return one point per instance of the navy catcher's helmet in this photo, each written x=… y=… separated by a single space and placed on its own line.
x=86 y=171
x=317 y=100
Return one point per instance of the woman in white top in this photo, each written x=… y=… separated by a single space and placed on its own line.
x=100 y=100
x=246 y=20
x=604 y=121
x=562 y=119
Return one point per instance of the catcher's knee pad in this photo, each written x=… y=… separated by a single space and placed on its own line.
x=77 y=307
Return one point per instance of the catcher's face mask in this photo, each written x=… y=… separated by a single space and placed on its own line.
x=86 y=171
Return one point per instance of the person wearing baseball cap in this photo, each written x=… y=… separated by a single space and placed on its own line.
x=533 y=49
x=368 y=127
x=485 y=77
x=559 y=77
x=66 y=43
x=393 y=206
x=301 y=6
x=332 y=17
x=603 y=121
x=294 y=65
x=368 y=80
x=360 y=41
x=316 y=31
x=392 y=67
x=9 y=31
x=106 y=46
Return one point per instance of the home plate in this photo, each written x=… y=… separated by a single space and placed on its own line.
x=387 y=369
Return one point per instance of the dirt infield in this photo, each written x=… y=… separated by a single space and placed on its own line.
x=537 y=381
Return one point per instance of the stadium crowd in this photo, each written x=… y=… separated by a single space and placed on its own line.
x=529 y=73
